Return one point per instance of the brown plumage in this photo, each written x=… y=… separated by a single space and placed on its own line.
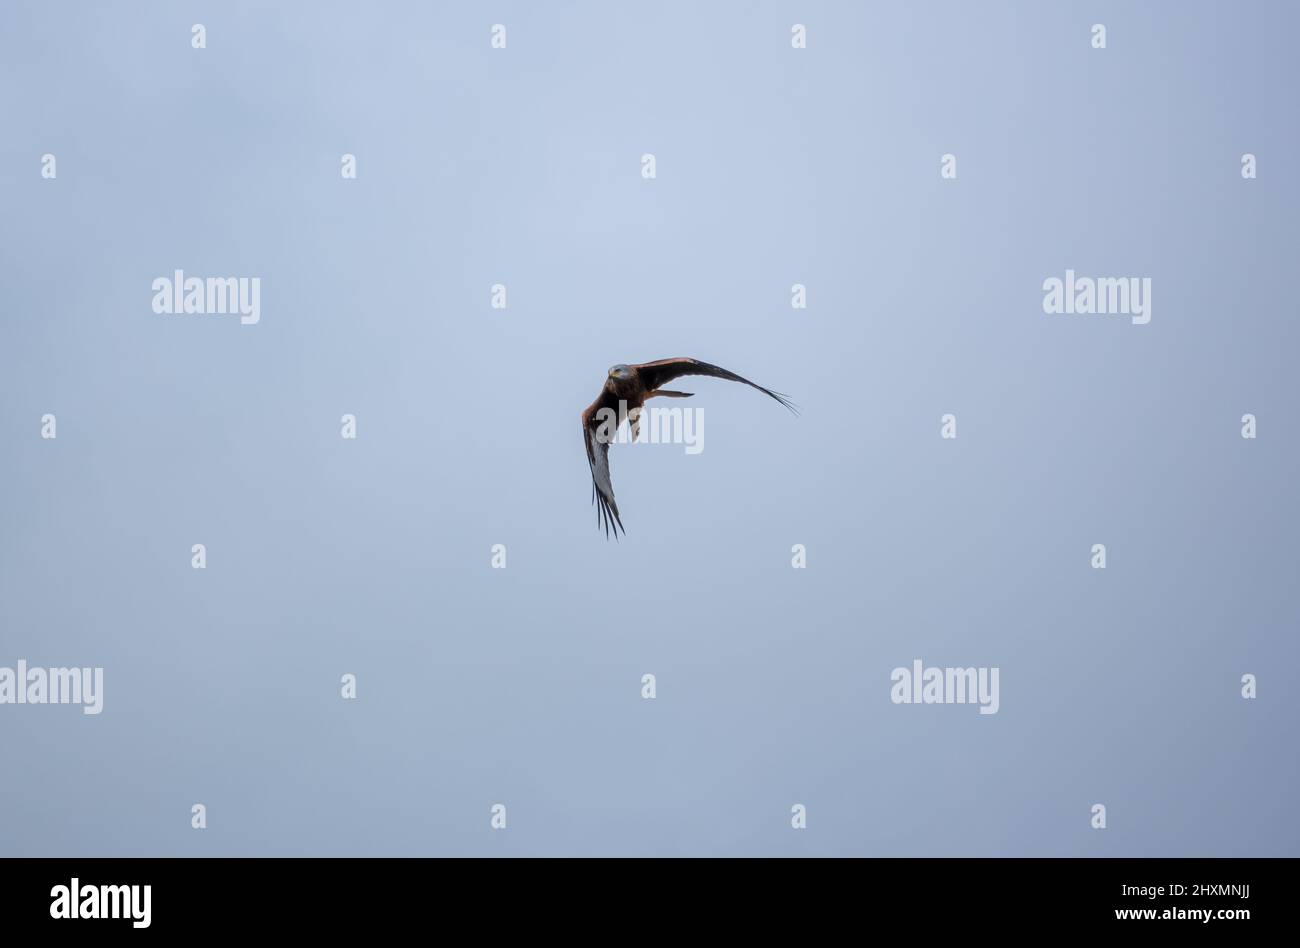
x=626 y=390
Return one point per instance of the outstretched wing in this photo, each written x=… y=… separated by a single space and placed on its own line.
x=596 y=432
x=663 y=371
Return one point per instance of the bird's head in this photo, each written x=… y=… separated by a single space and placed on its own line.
x=620 y=372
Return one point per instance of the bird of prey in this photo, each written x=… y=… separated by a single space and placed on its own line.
x=625 y=391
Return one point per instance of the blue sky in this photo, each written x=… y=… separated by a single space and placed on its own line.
x=522 y=686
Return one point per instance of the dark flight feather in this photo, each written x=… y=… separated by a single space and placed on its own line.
x=655 y=374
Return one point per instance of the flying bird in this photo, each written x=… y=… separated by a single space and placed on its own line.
x=625 y=391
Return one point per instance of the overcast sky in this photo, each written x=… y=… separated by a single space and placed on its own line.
x=523 y=686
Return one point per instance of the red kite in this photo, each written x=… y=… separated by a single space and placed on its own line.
x=625 y=391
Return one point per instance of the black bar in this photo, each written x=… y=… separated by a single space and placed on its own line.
x=373 y=896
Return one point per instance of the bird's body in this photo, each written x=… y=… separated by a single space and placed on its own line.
x=624 y=394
